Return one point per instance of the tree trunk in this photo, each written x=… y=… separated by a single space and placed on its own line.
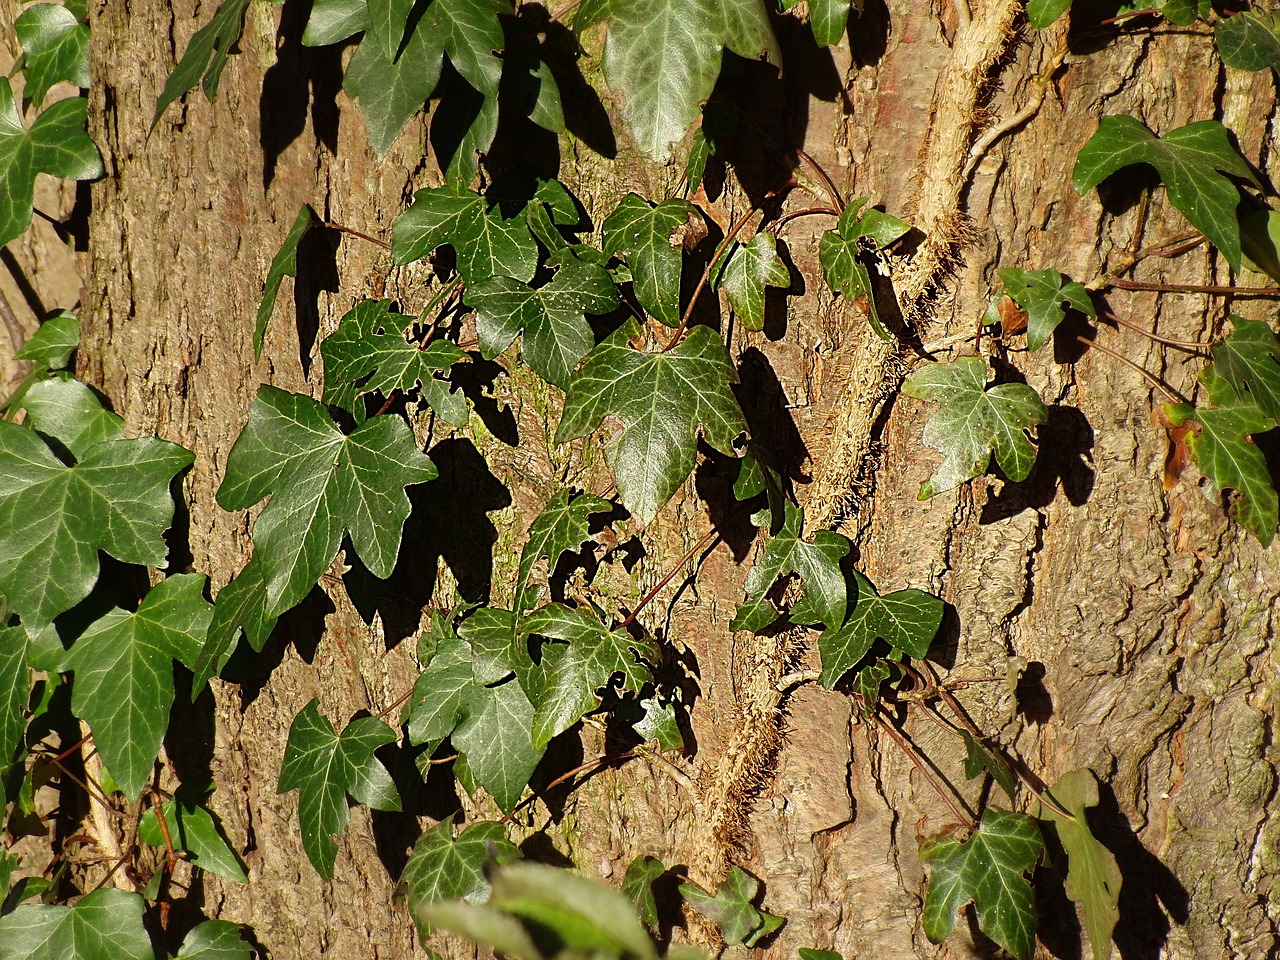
x=1135 y=622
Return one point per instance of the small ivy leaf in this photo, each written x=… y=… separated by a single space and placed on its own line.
x=53 y=344
x=839 y=251
x=441 y=694
x=1260 y=242
x=750 y=268
x=825 y=597
x=371 y=351
x=1196 y=163
x=1247 y=42
x=664 y=57
x=659 y=722
x=444 y=867
x=283 y=264
x=56 y=47
x=637 y=886
x=828 y=20
x=988 y=869
x=1043 y=13
x=1093 y=876
x=756 y=475
x=977 y=758
x=321 y=484
x=71 y=413
x=1185 y=12
x=124 y=674
x=105 y=925
x=214 y=940
x=205 y=56
x=15 y=693
x=974 y=422
x=57 y=517
x=907 y=620
x=642 y=233
x=810 y=953
x=552 y=317
x=194 y=831
x=1249 y=359
x=487 y=243
x=333 y=21
x=1041 y=294
x=594 y=656
x=732 y=909
x=391 y=91
x=56 y=144
x=661 y=399
x=324 y=767
x=717 y=123
x=562 y=526
x=241 y=605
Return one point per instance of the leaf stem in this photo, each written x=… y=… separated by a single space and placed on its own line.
x=706 y=275
x=1171 y=395
x=1212 y=289
x=914 y=756
x=1184 y=344
x=832 y=191
x=356 y=233
x=806 y=212
x=645 y=600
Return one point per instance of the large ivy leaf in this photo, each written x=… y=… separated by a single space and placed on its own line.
x=321 y=484
x=907 y=620
x=57 y=517
x=283 y=264
x=386 y=23
x=552 y=317
x=193 y=831
x=56 y=144
x=241 y=605
x=71 y=413
x=1196 y=163
x=560 y=527
x=372 y=351
x=55 y=46
x=54 y=341
x=988 y=869
x=104 y=925
x=750 y=268
x=1247 y=42
x=1041 y=293
x=661 y=399
x=818 y=564
x=333 y=21
x=447 y=867
x=664 y=57
x=642 y=233
x=214 y=940
x=15 y=692
x=324 y=767
x=1249 y=359
x=732 y=909
x=974 y=422
x=205 y=56
x=488 y=244
x=1093 y=876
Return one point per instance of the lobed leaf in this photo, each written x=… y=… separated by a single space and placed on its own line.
x=1043 y=13
x=67 y=411
x=105 y=925
x=749 y=269
x=637 y=886
x=55 y=47
x=487 y=243
x=1041 y=293
x=908 y=620
x=1247 y=42
x=193 y=830
x=1249 y=360
x=214 y=940
x=15 y=693
x=444 y=867
x=642 y=233
x=241 y=606
x=732 y=908
x=562 y=526
x=333 y=21
x=205 y=56
x=54 y=342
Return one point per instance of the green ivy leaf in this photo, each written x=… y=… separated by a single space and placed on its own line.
x=1043 y=13
x=1247 y=42
x=1196 y=163
x=732 y=909
x=1185 y=12
x=642 y=233
x=54 y=342
x=324 y=767
x=241 y=605
x=1249 y=359
x=283 y=264
x=57 y=517
x=825 y=597
x=387 y=21
x=978 y=758
x=15 y=693
x=1260 y=241
x=390 y=91
x=839 y=249
x=750 y=268
x=104 y=925
x=828 y=20
x=193 y=830
x=974 y=422
x=664 y=57
x=205 y=56
x=637 y=886
x=71 y=413
x=563 y=525
x=661 y=398
x=56 y=144
x=487 y=243
x=321 y=484
x=1041 y=293
x=371 y=351
x=443 y=866
x=333 y=21
x=552 y=317
x=988 y=869
x=907 y=620
x=1093 y=876
x=214 y=940
x=56 y=47
x=809 y=953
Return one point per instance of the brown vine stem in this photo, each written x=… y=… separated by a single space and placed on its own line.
x=832 y=191
x=1212 y=289
x=703 y=541
x=706 y=276
x=807 y=212
x=914 y=756
x=653 y=756
x=1171 y=395
x=1196 y=345
x=356 y=233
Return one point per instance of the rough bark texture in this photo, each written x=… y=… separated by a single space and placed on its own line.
x=1143 y=620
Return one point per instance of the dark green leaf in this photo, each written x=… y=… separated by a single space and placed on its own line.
x=978 y=758
x=561 y=526
x=1041 y=293
x=827 y=20
x=54 y=342
x=839 y=250
x=241 y=605
x=445 y=867
x=732 y=909
x=1042 y=13
x=441 y=694
x=974 y=422
x=105 y=925
x=283 y=264
x=15 y=693
x=488 y=244
x=1260 y=242
x=193 y=830
x=988 y=869
x=333 y=21
x=809 y=953
x=1185 y=12
x=750 y=268
x=643 y=233
x=637 y=886
x=387 y=22
x=1247 y=42
x=661 y=399
x=1249 y=359
x=214 y=940
x=659 y=722
x=907 y=620
x=205 y=57
x=71 y=413
x=56 y=47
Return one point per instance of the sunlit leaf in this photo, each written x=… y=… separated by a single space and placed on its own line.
x=907 y=620
x=55 y=46
x=205 y=56
x=283 y=264
x=443 y=866
x=1041 y=294
x=642 y=233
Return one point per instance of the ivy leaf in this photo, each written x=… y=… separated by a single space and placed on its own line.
x=839 y=251
x=1185 y=12
x=387 y=21
x=732 y=909
x=124 y=674
x=552 y=317
x=193 y=830
x=54 y=342
x=988 y=869
x=907 y=620
x=205 y=56
x=1196 y=163
x=487 y=243
x=283 y=264
x=68 y=411
x=105 y=925
x=333 y=21
x=321 y=485
x=1249 y=360
x=978 y=758
x=56 y=47
x=563 y=525
x=1247 y=42
x=661 y=399
x=750 y=268
x=664 y=57
x=810 y=953
x=637 y=886
x=974 y=422
x=1260 y=241
x=1041 y=293
x=15 y=693
x=594 y=656
x=56 y=144
x=444 y=867
x=241 y=605
x=642 y=233
x=828 y=20
x=825 y=597
x=371 y=351
x=57 y=517
x=214 y=940
x=324 y=767
x=390 y=91
x=1042 y=13
x=1093 y=876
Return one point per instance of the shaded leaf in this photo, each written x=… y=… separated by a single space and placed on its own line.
x=214 y=940
x=333 y=21
x=1041 y=293
x=54 y=341
x=205 y=56
x=732 y=909
x=15 y=693
x=487 y=243
x=907 y=620
x=750 y=268
x=443 y=866
x=1260 y=242
x=1247 y=42
x=978 y=758
x=105 y=925
x=839 y=251
x=563 y=525
x=642 y=233
x=637 y=886
x=55 y=46
x=241 y=605
x=1249 y=360
x=193 y=830
x=283 y=264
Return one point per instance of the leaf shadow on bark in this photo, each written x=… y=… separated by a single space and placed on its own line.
x=1064 y=462
x=435 y=797
x=475 y=381
x=301 y=628
x=317 y=260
